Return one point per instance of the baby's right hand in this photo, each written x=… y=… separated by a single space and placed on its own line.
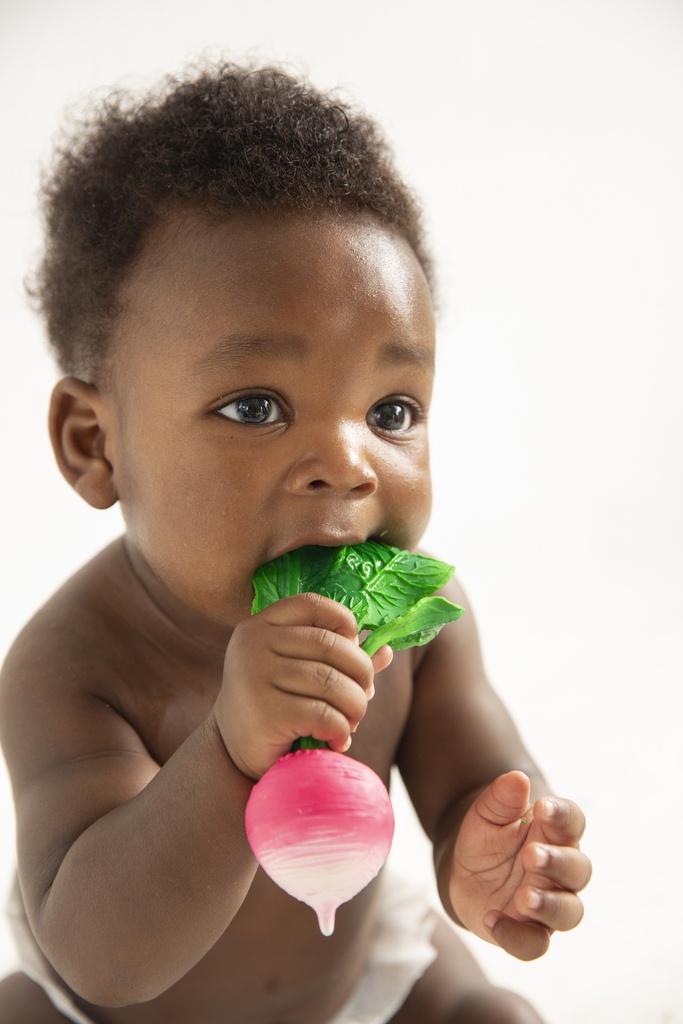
x=294 y=669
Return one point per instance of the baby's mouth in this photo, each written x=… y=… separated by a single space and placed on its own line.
x=323 y=539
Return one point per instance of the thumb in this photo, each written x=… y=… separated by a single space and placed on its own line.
x=506 y=799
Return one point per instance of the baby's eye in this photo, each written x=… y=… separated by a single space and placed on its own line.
x=395 y=416
x=252 y=409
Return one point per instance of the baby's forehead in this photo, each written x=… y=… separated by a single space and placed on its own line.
x=195 y=238
x=201 y=272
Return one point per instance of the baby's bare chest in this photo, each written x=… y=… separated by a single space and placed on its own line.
x=166 y=701
x=272 y=964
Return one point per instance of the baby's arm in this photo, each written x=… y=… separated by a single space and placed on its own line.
x=123 y=862
x=120 y=863
x=506 y=854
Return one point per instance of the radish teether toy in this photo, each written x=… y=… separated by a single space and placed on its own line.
x=320 y=823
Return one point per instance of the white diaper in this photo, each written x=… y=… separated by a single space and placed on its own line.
x=400 y=953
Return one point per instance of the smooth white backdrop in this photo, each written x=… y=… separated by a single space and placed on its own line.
x=546 y=140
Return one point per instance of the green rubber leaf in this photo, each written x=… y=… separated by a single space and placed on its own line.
x=380 y=584
x=416 y=627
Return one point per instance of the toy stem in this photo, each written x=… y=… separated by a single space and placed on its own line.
x=308 y=743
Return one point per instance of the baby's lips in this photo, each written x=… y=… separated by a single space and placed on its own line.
x=317 y=538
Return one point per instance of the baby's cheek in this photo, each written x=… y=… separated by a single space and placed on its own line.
x=413 y=500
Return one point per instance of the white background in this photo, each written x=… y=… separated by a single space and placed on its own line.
x=546 y=139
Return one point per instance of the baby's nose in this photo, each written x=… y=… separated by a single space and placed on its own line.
x=337 y=462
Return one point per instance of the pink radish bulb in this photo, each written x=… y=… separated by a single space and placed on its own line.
x=320 y=825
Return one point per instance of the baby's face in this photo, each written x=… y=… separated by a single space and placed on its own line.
x=271 y=381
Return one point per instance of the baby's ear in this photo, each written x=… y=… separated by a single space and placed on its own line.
x=78 y=434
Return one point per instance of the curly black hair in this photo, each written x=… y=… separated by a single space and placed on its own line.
x=222 y=136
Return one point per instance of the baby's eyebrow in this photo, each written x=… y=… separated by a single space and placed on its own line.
x=244 y=346
x=237 y=347
x=404 y=353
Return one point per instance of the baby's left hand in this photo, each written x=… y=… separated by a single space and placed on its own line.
x=517 y=870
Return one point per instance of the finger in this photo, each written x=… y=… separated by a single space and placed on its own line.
x=321 y=683
x=312 y=643
x=525 y=940
x=505 y=800
x=564 y=866
x=314 y=610
x=316 y=718
x=324 y=722
x=562 y=821
x=556 y=909
x=382 y=658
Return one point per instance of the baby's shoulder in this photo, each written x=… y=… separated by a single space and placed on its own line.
x=82 y=624
x=58 y=685
x=98 y=660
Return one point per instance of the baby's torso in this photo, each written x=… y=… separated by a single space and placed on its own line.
x=271 y=965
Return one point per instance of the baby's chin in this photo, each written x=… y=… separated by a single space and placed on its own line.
x=219 y=613
x=238 y=607
x=227 y=604
x=203 y=605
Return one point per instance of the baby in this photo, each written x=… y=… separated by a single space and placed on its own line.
x=238 y=293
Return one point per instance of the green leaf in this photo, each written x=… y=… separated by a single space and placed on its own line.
x=416 y=627
x=375 y=581
x=380 y=584
x=296 y=572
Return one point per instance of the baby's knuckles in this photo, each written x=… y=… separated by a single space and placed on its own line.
x=248 y=710
x=288 y=674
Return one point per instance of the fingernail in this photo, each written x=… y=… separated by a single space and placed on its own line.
x=346 y=745
x=491 y=920
x=541 y=857
x=550 y=808
x=534 y=900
